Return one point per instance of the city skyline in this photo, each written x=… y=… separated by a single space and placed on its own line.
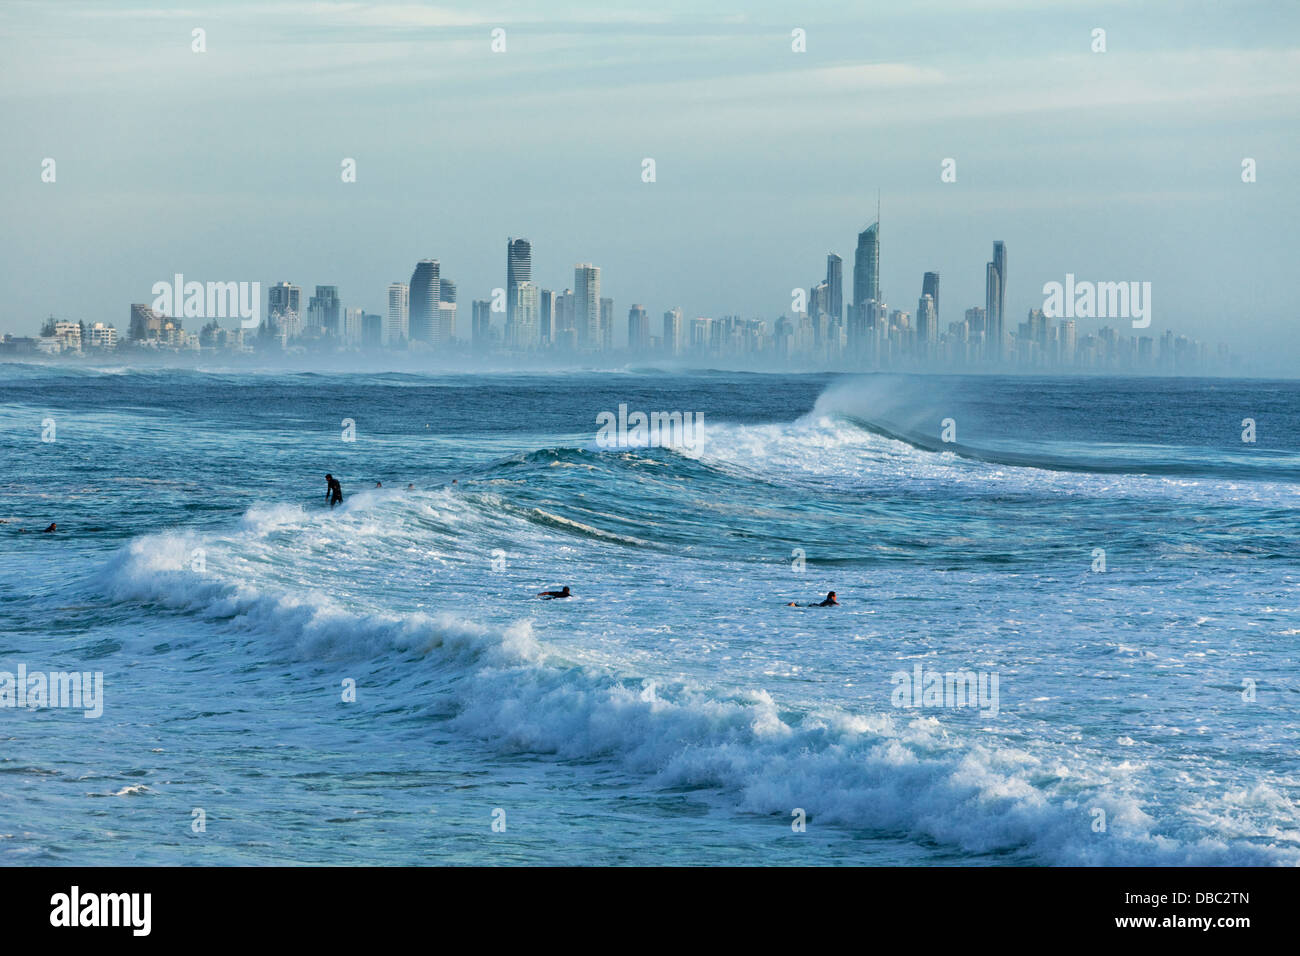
x=1116 y=165
x=580 y=322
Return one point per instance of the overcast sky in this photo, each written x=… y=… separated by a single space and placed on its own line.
x=225 y=165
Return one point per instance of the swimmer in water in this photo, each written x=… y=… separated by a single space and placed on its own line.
x=552 y=595
x=829 y=602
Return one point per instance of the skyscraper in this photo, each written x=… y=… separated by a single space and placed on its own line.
x=930 y=287
x=995 y=286
x=564 y=317
x=673 y=332
x=283 y=298
x=1038 y=328
x=1069 y=341
x=818 y=297
x=352 y=326
x=927 y=327
x=527 y=309
x=699 y=333
x=283 y=306
x=397 y=323
x=323 y=311
x=866 y=266
x=519 y=268
x=586 y=306
x=425 y=288
x=835 y=287
x=638 y=330
x=446 y=328
x=482 y=325
x=546 y=318
x=607 y=324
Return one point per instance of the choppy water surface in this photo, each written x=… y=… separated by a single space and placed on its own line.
x=674 y=710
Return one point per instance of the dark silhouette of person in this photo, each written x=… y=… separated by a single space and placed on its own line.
x=333 y=490
x=552 y=595
x=829 y=602
x=379 y=484
x=52 y=527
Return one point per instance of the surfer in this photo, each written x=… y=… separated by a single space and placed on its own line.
x=333 y=490
x=53 y=527
x=552 y=595
x=829 y=602
x=379 y=484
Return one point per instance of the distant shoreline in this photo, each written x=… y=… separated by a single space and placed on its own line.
x=310 y=362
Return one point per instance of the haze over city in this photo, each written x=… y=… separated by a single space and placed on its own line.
x=1122 y=165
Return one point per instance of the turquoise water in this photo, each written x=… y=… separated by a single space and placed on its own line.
x=675 y=710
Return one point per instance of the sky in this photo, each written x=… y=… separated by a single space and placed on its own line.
x=1123 y=165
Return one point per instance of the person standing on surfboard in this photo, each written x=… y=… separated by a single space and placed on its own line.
x=333 y=491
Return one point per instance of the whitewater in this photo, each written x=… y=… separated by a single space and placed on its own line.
x=675 y=710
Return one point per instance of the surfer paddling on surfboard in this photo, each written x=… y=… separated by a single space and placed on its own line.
x=552 y=595
x=829 y=602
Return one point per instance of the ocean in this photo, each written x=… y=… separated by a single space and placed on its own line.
x=1070 y=609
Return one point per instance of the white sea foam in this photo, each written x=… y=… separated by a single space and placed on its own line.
x=880 y=772
x=825 y=450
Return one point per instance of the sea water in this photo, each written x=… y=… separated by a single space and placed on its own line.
x=378 y=683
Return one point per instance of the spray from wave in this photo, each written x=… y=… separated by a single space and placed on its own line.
x=880 y=773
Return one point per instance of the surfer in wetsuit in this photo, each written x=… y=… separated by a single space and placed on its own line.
x=333 y=490
x=53 y=527
x=552 y=595
x=829 y=602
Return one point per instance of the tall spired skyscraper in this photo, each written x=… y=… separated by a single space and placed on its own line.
x=995 y=287
x=866 y=267
x=519 y=269
x=866 y=290
x=425 y=292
